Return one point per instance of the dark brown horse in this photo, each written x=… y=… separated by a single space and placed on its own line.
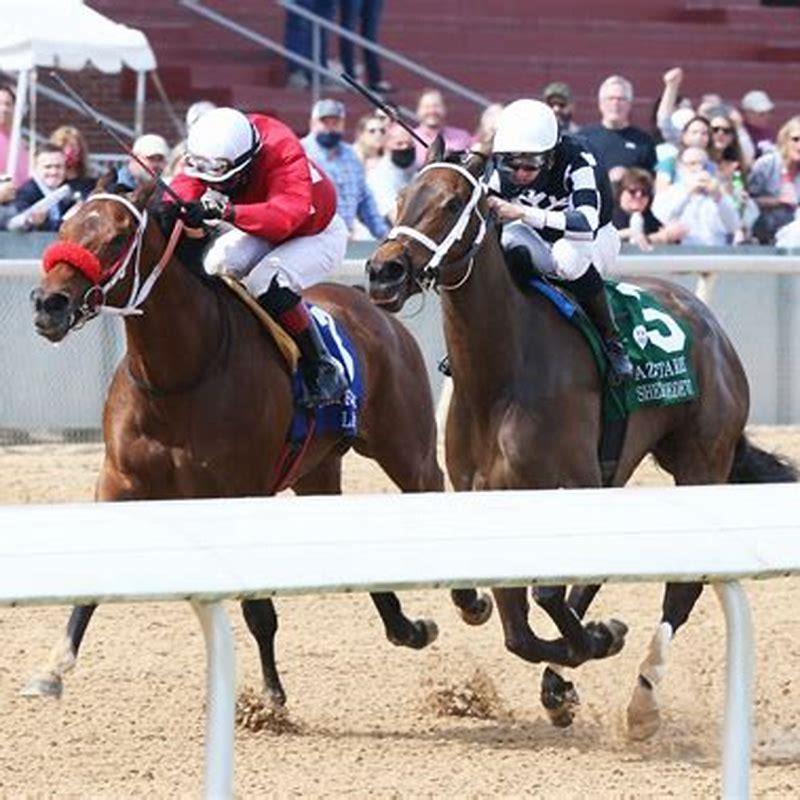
x=526 y=408
x=202 y=403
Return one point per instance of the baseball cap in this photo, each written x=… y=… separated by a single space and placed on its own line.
x=557 y=89
x=327 y=108
x=757 y=101
x=151 y=144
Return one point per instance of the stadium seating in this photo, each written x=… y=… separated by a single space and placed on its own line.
x=502 y=50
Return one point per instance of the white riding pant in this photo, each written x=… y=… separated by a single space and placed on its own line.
x=298 y=263
x=567 y=258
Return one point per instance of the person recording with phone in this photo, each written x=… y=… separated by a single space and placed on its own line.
x=698 y=200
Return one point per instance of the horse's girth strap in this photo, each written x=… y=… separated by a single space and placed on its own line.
x=282 y=339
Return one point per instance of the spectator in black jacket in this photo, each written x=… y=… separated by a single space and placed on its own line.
x=49 y=174
x=618 y=143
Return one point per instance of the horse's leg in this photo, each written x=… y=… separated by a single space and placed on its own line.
x=693 y=460
x=326 y=478
x=48 y=681
x=262 y=621
x=644 y=715
x=513 y=607
x=260 y=615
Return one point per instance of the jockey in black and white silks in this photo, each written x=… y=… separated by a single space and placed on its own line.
x=556 y=203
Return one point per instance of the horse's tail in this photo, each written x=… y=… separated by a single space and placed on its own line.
x=751 y=464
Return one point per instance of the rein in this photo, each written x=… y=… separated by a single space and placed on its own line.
x=431 y=271
x=103 y=281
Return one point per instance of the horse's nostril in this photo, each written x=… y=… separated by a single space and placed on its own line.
x=52 y=304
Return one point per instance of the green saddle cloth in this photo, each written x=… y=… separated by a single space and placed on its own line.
x=659 y=346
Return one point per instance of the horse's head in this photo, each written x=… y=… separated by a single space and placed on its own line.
x=441 y=222
x=88 y=265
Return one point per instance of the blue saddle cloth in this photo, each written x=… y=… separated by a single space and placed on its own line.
x=342 y=417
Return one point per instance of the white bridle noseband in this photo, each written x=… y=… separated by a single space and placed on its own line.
x=430 y=272
x=139 y=290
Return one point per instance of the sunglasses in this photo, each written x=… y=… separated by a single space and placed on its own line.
x=636 y=191
x=721 y=129
x=376 y=130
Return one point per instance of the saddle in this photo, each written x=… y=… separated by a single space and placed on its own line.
x=286 y=346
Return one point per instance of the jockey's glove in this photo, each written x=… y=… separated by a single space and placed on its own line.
x=216 y=206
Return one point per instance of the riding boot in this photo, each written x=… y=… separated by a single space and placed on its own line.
x=323 y=375
x=591 y=294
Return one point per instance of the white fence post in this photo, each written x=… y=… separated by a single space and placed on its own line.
x=220 y=700
x=738 y=690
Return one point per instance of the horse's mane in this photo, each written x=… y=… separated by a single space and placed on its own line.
x=189 y=251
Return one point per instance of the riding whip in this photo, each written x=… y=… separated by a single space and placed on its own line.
x=385 y=107
x=95 y=117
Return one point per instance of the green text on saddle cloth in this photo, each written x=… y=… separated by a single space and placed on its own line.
x=660 y=347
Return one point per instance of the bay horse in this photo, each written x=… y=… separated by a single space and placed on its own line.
x=526 y=408
x=202 y=402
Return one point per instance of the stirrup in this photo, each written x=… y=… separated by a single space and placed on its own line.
x=619 y=361
x=444 y=365
x=324 y=382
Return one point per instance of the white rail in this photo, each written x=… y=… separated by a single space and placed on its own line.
x=205 y=551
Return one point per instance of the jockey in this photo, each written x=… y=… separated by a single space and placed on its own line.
x=274 y=221
x=556 y=202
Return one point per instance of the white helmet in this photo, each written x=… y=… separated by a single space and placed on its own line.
x=526 y=126
x=220 y=144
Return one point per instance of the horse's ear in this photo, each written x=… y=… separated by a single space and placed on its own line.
x=144 y=194
x=475 y=161
x=435 y=150
x=106 y=181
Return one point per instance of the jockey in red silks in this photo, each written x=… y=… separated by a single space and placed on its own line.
x=274 y=225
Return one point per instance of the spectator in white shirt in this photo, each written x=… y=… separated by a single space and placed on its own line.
x=393 y=172
x=698 y=201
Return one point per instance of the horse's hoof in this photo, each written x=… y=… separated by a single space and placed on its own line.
x=560 y=699
x=425 y=631
x=44 y=686
x=480 y=612
x=608 y=638
x=644 y=715
x=430 y=629
x=275 y=697
x=618 y=630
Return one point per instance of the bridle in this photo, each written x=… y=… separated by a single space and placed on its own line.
x=430 y=273
x=103 y=281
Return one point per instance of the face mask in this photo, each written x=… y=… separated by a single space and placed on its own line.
x=72 y=156
x=403 y=158
x=329 y=139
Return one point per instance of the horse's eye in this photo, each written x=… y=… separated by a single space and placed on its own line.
x=454 y=205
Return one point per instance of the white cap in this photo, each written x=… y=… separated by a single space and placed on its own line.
x=196 y=110
x=757 y=101
x=151 y=144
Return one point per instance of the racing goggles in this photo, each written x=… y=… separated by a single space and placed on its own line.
x=212 y=167
x=528 y=162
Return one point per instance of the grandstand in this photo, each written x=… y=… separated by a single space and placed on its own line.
x=500 y=50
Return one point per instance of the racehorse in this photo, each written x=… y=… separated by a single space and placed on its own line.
x=202 y=402
x=526 y=408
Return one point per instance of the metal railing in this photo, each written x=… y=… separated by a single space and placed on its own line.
x=314 y=65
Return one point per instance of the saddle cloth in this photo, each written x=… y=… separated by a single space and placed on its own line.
x=658 y=344
x=342 y=417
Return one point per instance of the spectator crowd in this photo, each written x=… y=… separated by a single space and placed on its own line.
x=707 y=171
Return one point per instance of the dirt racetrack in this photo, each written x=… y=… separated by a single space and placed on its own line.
x=367 y=717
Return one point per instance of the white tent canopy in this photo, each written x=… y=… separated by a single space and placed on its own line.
x=66 y=34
